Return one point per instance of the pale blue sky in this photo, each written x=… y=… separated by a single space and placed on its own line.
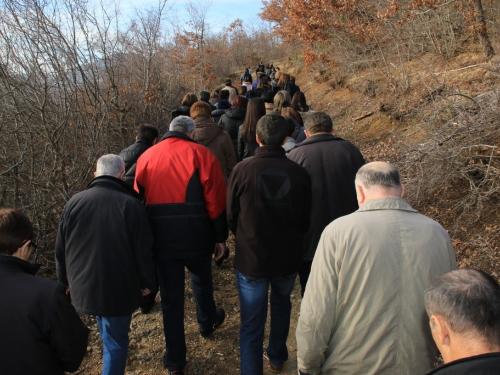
x=220 y=13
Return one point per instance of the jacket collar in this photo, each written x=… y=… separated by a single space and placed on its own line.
x=113 y=183
x=388 y=203
x=19 y=264
x=176 y=134
x=144 y=141
x=319 y=138
x=270 y=151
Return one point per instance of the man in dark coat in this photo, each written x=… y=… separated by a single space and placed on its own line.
x=188 y=219
x=40 y=331
x=464 y=313
x=104 y=255
x=147 y=135
x=332 y=163
x=268 y=205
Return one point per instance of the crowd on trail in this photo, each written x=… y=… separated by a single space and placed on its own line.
x=380 y=290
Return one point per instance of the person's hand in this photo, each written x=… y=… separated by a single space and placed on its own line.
x=220 y=249
x=145 y=292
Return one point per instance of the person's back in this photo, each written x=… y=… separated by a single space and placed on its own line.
x=384 y=273
x=214 y=137
x=97 y=226
x=147 y=136
x=332 y=163
x=367 y=281
x=40 y=330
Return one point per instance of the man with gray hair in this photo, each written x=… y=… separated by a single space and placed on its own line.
x=185 y=193
x=464 y=313
x=104 y=256
x=332 y=163
x=363 y=310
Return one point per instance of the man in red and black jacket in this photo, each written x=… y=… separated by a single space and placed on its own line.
x=185 y=194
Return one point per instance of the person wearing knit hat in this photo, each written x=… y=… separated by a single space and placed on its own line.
x=213 y=136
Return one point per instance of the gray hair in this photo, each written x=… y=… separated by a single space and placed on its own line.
x=110 y=165
x=182 y=124
x=469 y=300
x=318 y=122
x=378 y=173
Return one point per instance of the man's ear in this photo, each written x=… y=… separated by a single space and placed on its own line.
x=155 y=140
x=122 y=175
x=440 y=330
x=257 y=139
x=307 y=133
x=402 y=191
x=360 y=194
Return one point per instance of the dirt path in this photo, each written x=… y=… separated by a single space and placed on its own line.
x=218 y=354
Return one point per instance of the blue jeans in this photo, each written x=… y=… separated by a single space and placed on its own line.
x=171 y=277
x=114 y=336
x=253 y=312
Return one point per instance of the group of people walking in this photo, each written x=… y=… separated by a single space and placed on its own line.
x=299 y=200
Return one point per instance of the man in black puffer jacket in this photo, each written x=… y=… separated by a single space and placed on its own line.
x=104 y=255
x=147 y=135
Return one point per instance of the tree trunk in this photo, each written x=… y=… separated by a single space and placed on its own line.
x=483 y=35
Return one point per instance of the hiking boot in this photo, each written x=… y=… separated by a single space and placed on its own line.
x=221 y=315
x=176 y=372
x=275 y=369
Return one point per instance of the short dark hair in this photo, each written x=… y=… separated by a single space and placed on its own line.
x=228 y=82
x=271 y=130
x=268 y=96
x=15 y=228
x=318 y=122
x=147 y=132
x=243 y=90
x=204 y=95
x=469 y=300
x=224 y=94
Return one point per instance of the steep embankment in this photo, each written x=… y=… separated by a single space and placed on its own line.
x=438 y=121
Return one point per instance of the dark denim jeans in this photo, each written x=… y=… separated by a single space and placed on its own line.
x=171 y=278
x=253 y=311
x=114 y=336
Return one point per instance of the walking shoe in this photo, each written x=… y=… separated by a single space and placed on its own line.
x=221 y=315
x=275 y=369
x=176 y=372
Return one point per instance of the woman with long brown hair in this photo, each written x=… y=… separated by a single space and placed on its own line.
x=247 y=144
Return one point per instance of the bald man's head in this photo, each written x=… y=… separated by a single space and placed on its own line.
x=376 y=180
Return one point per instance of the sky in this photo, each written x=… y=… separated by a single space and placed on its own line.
x=220 y=13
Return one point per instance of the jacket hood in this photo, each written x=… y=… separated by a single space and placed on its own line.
x=206 y=130
x=236 y=113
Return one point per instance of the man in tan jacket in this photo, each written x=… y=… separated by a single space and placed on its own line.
x=363 y=310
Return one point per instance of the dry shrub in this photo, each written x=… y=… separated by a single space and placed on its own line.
x=456 y=175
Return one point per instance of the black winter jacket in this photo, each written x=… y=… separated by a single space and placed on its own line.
x=217 y=114
x=485 y=364
x=40 y=331
x=332 y=163
x=268 y=209
x=104 y=249
x=130 y=156
x=231 y=121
